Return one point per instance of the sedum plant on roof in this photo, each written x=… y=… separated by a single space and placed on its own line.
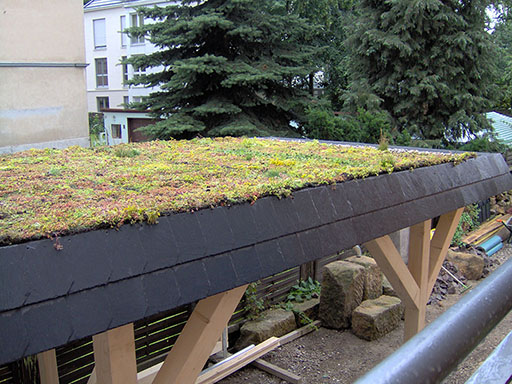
x=48 y=192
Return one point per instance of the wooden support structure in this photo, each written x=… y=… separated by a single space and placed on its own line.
x=114 y=355
x=47 y=362
x=226 y=369
x=195 y=343
x=274 y=370
x=414 y=282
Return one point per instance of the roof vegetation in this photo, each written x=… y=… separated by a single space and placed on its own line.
x=45 y=193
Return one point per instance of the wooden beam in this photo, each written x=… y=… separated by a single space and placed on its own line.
x=418 y=265
x=195 y=343
x=390 y=262
x=48 y=371
x=148 y=375
x=277 y=371
x=293 y=335
x=114 y=355
x=92 y=378
x=227 y=368
x=440 y=242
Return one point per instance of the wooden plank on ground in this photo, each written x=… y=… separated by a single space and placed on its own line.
x=225 y=369
x=92 y=378
x=484 y=229
x=277 y=371
x=299 y=332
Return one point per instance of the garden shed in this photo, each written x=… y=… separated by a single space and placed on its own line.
x=298 y=201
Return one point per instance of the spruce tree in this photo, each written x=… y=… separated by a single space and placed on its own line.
x=226 y=67
x=429 y=62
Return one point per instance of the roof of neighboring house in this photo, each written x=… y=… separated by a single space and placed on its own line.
x=502 y=125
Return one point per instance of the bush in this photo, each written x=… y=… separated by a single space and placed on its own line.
x=364 y=126
x=468 y=222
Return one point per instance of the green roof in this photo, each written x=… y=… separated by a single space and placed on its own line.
x=56 y=192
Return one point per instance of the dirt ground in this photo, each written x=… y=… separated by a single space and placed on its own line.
x=331 y=356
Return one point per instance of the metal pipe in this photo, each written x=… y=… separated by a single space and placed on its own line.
x=433 y=353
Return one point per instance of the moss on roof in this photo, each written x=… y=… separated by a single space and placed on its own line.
x=50 y=192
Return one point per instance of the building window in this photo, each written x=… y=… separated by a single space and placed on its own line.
x=102 y=103
x=116 y=131
x=125 y=70
x=101 y=72
x=126 y=101
x=100 y=36
x=137 y=21
x=137 y=99
x=139 y=70
x=124 y=37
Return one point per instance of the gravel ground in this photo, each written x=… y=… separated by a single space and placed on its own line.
x=331 y=356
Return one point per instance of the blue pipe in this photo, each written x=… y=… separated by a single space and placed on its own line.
x=494 y=249
x=491 y=243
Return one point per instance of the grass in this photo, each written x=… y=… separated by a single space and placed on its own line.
x=46 y=193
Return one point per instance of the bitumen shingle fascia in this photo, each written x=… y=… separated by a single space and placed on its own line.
x=106 y=278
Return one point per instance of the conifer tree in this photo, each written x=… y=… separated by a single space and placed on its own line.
x=226 y=67
x=429 y=62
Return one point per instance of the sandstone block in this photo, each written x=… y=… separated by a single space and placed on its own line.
x=308 y=308
x=273 y=322
x=469 y=264
x=374 y=318
x=387 y=288
x=372 y=278
x=342 y=292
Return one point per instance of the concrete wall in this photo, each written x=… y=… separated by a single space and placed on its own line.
x=42 y=70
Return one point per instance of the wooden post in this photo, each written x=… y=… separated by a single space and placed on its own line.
x=307 y=270
x=48 y=371
x=418 y=264
x=114 y=355
x=414 y=282
x=187 y=357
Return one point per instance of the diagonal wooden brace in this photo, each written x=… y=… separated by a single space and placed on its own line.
x=414 y=282
x=188 y=356
x=441 y=242
x=390 y=262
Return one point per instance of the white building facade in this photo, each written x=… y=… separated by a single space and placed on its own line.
x=106 y=45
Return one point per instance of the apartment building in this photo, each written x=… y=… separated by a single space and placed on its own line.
x=106 y=45
x=42 y=75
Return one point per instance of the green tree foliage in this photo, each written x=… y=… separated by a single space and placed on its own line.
x=503 y=38
x=225 y=67
x=333 y=21
x=429 y=63
x=362 y=126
